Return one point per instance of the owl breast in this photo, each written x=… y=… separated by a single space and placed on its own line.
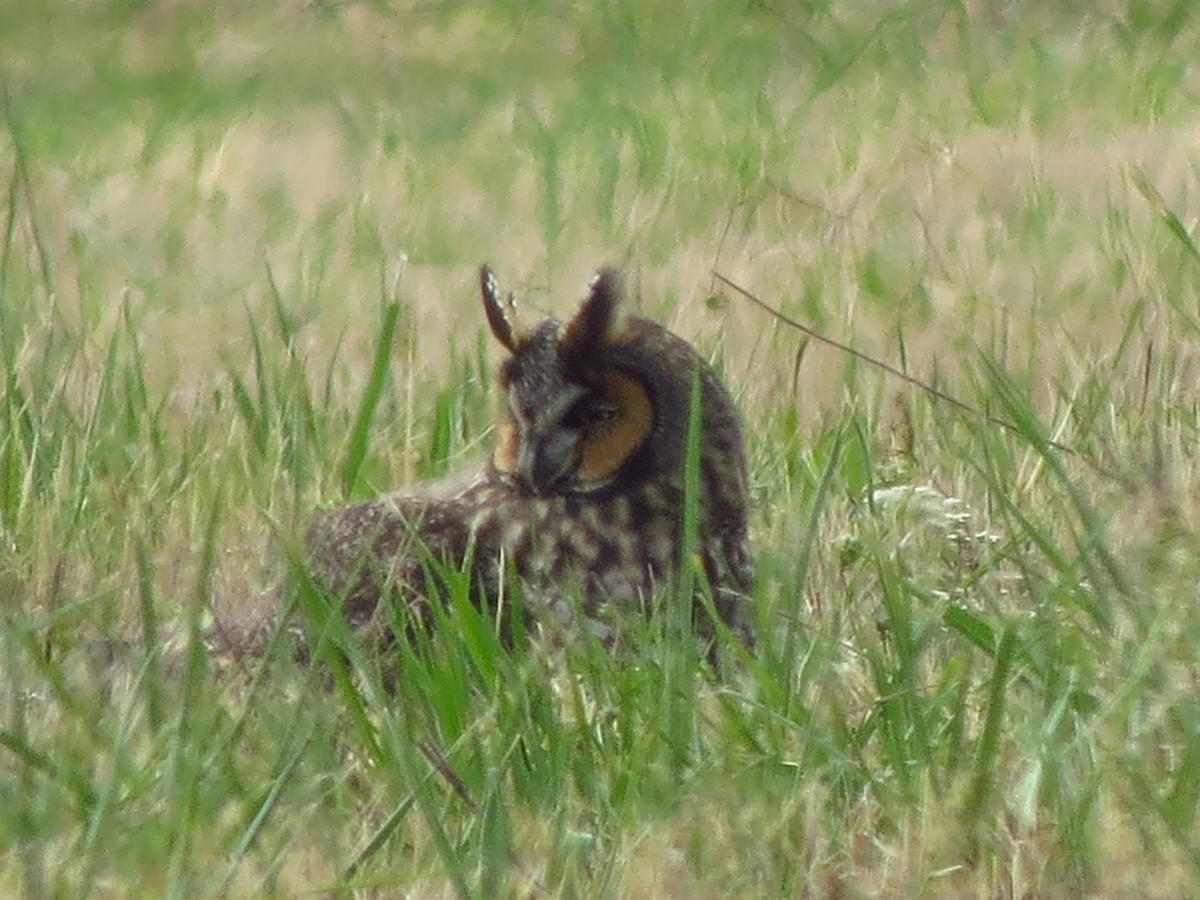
x=603 y=557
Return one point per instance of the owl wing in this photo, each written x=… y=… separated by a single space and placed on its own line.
x=362 y=555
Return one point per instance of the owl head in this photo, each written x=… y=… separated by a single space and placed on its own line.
x=602 y=403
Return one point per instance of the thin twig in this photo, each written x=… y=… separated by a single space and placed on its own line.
x=443 y=768
x=879 y=364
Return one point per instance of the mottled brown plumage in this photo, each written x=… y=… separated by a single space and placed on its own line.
x=582 y=499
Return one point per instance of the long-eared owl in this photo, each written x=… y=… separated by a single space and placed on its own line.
x=582 y=500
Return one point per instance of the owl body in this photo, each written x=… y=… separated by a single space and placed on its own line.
x=582 y=501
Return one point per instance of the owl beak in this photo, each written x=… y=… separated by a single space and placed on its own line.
x=545 y=464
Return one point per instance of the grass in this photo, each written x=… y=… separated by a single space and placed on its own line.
x=238 y=246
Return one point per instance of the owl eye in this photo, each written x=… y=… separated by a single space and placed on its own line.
x=591 y=415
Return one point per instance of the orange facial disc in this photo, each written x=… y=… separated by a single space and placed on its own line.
x=605 y=451
x=504 y=458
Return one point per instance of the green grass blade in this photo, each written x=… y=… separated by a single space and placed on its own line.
x=980 y=797
x=380 y=838
x=21 y=170
x=360 y=430
x=1165 y=213
x=148 y=616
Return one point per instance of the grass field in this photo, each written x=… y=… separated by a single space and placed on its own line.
x=980 y=645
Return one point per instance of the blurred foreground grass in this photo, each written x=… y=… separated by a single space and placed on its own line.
x=979 y=659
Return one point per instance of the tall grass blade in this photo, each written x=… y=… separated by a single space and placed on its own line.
x=1101 y=564
x=10 y=227
x=21 y=170
x=1168 y=216
x=983 y=781
x=360 y=430
x=791 y=642
x=148 y=616
x=381 y=836
x=30 y=762
x=183 y=772
x=268 y=804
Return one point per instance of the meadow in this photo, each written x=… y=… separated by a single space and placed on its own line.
x=238 y=257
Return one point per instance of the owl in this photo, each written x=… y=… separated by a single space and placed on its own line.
x=581 y=504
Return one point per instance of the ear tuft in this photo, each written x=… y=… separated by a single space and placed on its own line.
x=501 y=315
x=595 y=322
